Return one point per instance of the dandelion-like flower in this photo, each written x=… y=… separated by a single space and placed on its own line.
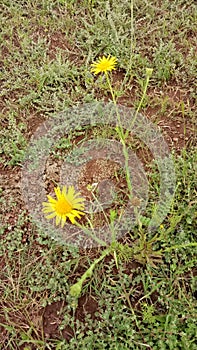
x=67 y=205
x=104 y=64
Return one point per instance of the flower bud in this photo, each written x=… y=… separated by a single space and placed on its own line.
x=75 y=290
x=149 y=72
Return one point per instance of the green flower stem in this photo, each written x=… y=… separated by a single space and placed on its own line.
x=148 y=75
x=119 y=129
x=76 y=289
x=122 y=136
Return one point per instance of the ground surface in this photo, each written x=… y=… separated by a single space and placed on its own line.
x=47 y=48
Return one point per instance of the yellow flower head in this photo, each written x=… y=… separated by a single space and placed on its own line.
x=104 y=64
x=67 y=205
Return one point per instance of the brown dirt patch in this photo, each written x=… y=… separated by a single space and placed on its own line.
x=55 y=42
x=54 y=314
x=94 y=172
x=58 y=41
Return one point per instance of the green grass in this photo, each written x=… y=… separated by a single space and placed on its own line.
x=47 y=48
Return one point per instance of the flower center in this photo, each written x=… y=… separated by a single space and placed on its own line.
x=105 y=66
x=63 y=207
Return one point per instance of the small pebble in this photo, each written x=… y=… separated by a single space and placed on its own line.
x=175 y=139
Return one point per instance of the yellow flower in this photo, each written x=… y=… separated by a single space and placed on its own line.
x=104 y=64
x=67 y=205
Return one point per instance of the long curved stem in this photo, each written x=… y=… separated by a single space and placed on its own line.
x=120 y=132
